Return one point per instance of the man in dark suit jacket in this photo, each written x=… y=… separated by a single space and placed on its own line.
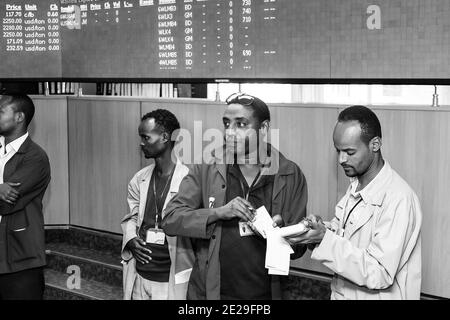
x=24 y=177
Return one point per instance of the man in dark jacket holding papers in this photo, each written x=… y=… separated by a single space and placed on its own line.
x=218 y=198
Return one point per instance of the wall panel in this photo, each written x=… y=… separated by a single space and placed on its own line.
x=104 y=155
x=49 y=130
x=417 y=145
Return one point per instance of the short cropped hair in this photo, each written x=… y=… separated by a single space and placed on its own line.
x=370 y=125
x=164 y=119
x=21 y=103
x=259 y=107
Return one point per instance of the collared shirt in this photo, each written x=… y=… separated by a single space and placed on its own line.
x=354 y=199
x=378 y=255
x=358 y=200
x=7 y=152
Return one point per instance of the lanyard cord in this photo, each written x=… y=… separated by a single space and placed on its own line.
x=253 y=184
x=162 y=193
x=350 y=212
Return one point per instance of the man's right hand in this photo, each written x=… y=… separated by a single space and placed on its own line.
x=8 y=193
x=236 y=208
x=139 y=251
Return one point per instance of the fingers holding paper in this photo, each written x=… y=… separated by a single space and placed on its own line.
x=277 y=221
x=236 y=208
x=314 y=235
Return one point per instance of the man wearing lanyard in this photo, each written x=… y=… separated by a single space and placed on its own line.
x=156 y=267
x=218 y=198
x=24 y=177
x=373 y=245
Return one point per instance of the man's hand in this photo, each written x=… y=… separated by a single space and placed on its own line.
x=277 y=221
x=8 y=193
x=313 y=236
x=137 y=248
x=236 y=208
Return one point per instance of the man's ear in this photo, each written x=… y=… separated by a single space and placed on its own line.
x=264 y=128
x=20 y=117
x=375 y=144
x=166 y=137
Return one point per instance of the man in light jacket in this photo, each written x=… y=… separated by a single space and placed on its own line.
x=155 y=266
x=373 y=245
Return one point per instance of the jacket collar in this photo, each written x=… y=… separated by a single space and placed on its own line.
x=274 y=164
x=375 y=192
x=176 y=177
x=25 y=145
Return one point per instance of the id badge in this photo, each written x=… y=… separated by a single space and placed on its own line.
x=155 y=236
x=245 y=230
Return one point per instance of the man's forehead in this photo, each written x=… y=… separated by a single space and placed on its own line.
x=348 y=132
x=4 y=100
x=235 y=110
x=5 y=103
x=149 y=125
x=148 y=122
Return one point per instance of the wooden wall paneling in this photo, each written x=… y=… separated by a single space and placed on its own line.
x=49 y=130
x=417 y=145
x=104 y=155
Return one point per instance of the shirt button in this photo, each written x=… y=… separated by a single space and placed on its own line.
x=213 y=237
x=207 y=262
x=223 y=186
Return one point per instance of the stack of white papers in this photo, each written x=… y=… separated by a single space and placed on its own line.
x=278 y=254
x=263 y=222
x=278 y=249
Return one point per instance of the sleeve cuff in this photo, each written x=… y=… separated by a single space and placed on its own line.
x=324 y=248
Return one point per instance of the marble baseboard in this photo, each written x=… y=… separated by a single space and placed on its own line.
x=302 y=288
x=51 y=293
x=88 y=270
x=57 y=288
x=85 y=238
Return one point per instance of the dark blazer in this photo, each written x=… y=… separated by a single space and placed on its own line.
x=22 y=238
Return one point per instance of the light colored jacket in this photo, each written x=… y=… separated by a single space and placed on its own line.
x=180 y=248
x=379 y=256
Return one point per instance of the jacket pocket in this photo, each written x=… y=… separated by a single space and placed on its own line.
x=21 y=245
x=21 y=242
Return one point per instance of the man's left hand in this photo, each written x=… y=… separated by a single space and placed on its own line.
x=315 y=234
x=277 y=221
